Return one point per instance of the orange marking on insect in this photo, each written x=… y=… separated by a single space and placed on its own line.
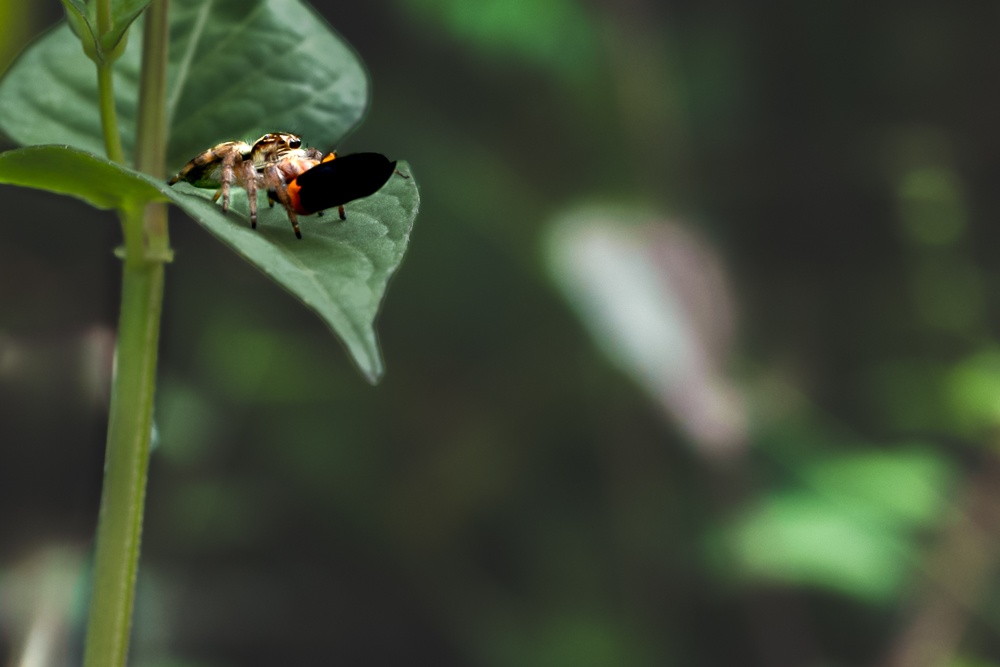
x=293 y=197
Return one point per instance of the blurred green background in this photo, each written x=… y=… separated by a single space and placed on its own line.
x=693 y=361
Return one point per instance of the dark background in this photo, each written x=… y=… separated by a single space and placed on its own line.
x=513 y=493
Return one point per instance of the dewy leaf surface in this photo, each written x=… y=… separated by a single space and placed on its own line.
x=237 y=69
x=339 y=269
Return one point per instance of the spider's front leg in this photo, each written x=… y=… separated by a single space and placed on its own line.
x=247 y=177
x=228 y=163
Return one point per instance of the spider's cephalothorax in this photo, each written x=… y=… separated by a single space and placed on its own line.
x=303 y=180
x=243 y=164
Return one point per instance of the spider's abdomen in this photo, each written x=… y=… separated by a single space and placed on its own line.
x=205 y=169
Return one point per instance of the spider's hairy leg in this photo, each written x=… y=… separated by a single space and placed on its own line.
x=228 y=164
x=277 y=188
x=247 y=177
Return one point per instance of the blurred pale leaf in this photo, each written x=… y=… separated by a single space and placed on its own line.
x=655 y=300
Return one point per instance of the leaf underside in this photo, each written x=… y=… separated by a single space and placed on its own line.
x=237 y=69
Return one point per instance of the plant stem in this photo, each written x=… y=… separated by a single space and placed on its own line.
x=106 y=90
x=150 y=136
x=103 y=16
x=109 y=119
x=151 y=132
x=130 y=424
x=119 y=529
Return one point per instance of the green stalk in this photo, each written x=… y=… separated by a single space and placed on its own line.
x=130 y=424
x=109 y=119
x=106 y=91
x=119 y=529
x=151 y=132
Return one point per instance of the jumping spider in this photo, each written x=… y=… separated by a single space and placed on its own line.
x=303 y=180
x=251 y=167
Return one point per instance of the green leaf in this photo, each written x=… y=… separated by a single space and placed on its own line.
x=853 y=526
x=803 y=540
x=82 y=18
x=972 y=389
x=79 y=22
x=123 y=14
x=896 y=489
x=339 y=269
x=73 y=172
x=237 y=69
x=559 y=35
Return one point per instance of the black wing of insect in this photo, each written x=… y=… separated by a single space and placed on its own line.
x=338 y=180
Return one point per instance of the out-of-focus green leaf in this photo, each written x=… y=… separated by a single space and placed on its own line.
x=801 y=540
x=911 y=394
x=15 y=19
x=578 y=637
x=897 y=489
x=974 y=394
x=932 y=205
x=237 y=68
x=850 y=527
x=70 y=171
x=557 y=34
x=971 y=662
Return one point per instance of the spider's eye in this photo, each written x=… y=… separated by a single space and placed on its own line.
x=294 y=143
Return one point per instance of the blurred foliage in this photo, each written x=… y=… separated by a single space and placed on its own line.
x=15 y=19
x=514 y=494
x=850 y=525
x=557 y=35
